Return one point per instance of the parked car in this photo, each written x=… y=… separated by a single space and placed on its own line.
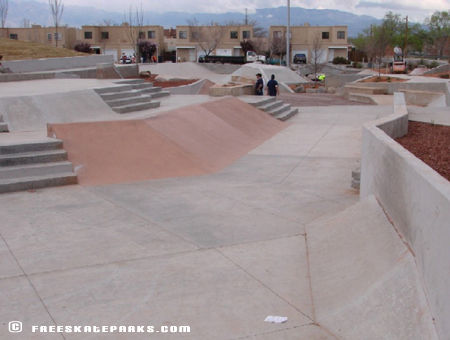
x=300 y=58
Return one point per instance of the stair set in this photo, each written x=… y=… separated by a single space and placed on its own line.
x=275 y=108
x=131 y=95
x=34 y=165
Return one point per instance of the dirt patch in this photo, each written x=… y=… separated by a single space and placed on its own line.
x=431 y=144
x=383 y=79
x=164 y=84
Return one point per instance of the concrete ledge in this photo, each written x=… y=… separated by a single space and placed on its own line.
x=231 y=90
x=416 y=199
x=365 y=90
x=51 y=64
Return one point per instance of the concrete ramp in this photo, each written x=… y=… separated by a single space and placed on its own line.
x=193 y=140
x=282 y=74
x=28 y=113
x=364 y=280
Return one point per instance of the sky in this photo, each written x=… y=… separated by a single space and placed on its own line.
x=416 y=10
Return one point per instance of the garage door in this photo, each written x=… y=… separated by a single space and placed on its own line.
x=224 y=52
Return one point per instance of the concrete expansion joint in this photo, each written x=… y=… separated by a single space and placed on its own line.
x=264 y=285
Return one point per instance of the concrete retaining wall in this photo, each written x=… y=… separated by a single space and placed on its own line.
x=417 y=200
x=51 y=64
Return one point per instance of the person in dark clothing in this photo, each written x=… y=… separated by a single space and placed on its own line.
x=259 y=85
x=272 y=87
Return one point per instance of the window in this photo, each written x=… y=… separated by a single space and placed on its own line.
x=325 y=35
x=58 y=36
x=277 y=34
x=341 y=34
x=246 y=34
x=87 y=35
x=233 y=35
x=13 y=36
x=151 y=34
x=49 y=36
x=141 y=35
x=182 y=35
x=105 y=35
x=195 y=35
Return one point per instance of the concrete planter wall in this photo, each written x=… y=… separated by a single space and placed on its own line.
x=417 y=200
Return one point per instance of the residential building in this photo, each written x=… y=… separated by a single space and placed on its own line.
x=116 y=40
x=65 y=37
x=326 y=42
x=193 y=41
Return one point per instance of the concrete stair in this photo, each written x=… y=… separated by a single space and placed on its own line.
x=145 y=88
x=3 y=125
x=131 y=95
x=34 y=165
x=275 y=108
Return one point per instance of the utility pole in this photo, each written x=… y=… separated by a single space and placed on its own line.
x=246 y=17
x=406 y=38
x=288 y=35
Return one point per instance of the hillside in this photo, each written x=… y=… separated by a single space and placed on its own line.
x=23 y=50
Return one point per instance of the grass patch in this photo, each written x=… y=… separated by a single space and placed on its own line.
x=12 y=49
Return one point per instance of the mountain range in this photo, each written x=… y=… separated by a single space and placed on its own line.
x=21 y=11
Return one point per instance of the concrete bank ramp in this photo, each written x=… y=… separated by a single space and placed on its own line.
x=364 y=280
x=28 y=113
x=282 y=74
x=192 y=140
x=187 y=70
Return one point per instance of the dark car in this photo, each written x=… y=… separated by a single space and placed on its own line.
x=300 y=58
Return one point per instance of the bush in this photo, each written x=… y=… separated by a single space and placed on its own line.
x=341 y=61
x=445 y=76
x=83 y=47
x=434 y=64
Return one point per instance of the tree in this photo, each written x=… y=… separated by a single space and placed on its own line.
x=439 y=30
x=277 y=46
x=134 y=28
x=247 y=45
x=83 y=47
x=207 y=37
x=317 y=55
x=146 y=49
x=57 y=9
x=4 y=4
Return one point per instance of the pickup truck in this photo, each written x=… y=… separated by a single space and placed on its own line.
x=250 y=57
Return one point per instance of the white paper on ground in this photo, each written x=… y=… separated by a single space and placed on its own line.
x=276 y=319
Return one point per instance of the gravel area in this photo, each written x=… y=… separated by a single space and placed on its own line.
x=431 y=144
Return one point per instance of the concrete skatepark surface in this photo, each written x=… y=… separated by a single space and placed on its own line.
x=278 y=231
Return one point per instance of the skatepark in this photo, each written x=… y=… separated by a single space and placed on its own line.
x=210 y=213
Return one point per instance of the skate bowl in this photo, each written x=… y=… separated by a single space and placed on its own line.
x=416 y=199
